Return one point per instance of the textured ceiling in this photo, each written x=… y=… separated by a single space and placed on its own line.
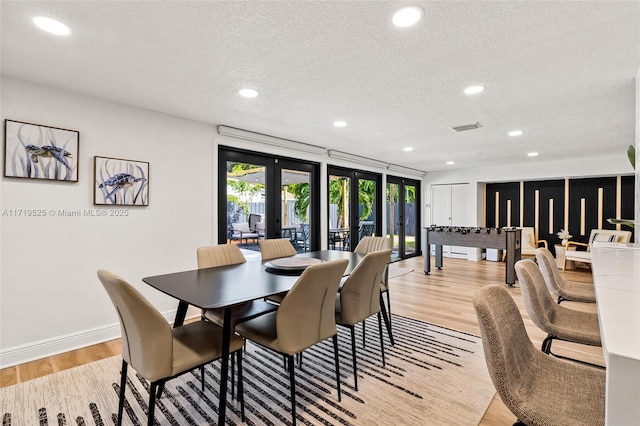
x=561 y=71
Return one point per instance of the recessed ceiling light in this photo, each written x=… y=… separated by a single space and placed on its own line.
x=450 y=163
x=407 y=16
x=339 y=123
x=532 y=154
x=407 y=149
x=51 y=25
x=473 y=90
x=248 y=93
x=516 y=133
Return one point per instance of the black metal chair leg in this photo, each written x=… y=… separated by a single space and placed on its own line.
x=152 y=402
x=233 y=376
x=335 y=355
x=240 y=383
x=364 y=340
x=202 y=378
x=123 y=385
x=353 y=356
x=292 y=385
x=546 y=344
x=381 y=338
x=160 y=390
x=387 y=318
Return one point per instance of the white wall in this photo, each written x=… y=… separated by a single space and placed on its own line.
x=50 y=297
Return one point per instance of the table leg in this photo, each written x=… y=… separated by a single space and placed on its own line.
x=181 y=313
x=224 y=368
x=439 y=256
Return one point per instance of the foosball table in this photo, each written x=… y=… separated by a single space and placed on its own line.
x=508 y=239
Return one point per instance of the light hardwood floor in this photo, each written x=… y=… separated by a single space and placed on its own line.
x=442 y=298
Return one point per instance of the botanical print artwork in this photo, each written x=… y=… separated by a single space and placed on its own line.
x=34 y=151
x=121 y=182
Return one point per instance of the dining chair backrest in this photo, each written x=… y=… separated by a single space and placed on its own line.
x=549 y=270
x=306 y=315
x=220 y=255
x=276 y=248
x=369 y=244
x=537 y=299
x=147 y=341
x=360 y=294
x=508 y=351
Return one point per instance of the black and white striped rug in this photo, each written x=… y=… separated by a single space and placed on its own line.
x=433 y=376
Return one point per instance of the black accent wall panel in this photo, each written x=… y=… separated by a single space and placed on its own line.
x=627 y=199
x=507 y=191
x=548 y=189
x=587 y=188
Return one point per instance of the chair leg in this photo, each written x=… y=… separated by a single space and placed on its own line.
x=384 y=364
x=240 y=395
x=353 y=355
x=233 y=375
x=387 y=317
x=123 y=384
x=292 y=386
x=202 y=378
x=561 y=299
x=152 y=403
x=364 y=340
x=546 y=344
x=335 y=355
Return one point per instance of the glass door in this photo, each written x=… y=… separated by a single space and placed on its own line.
x=262 y=196
x=403 y=216
x=354 y=207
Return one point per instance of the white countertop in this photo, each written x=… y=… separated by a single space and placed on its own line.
x=616 y=275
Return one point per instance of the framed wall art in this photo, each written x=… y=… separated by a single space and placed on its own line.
x=34 y=151
x=119 y=182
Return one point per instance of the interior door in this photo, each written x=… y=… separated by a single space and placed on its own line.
x=449 y=208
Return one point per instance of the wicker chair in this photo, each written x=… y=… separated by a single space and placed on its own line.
x=559 y=322
x=538 y=389
x=558 y=286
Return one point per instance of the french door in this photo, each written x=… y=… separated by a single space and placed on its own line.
x=355 y=206
x=282 y=194
x=403 y=216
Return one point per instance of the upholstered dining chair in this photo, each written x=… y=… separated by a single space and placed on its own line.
x=596 y=235
x=538 y=389
x=224 y=255
x=276 y=248
x=360 y=298
x=305 y=317
x=557 y=321
x=558 y=286
x=157 y=351
x=367 y=245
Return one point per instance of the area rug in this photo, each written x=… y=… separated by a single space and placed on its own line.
x=433 y=376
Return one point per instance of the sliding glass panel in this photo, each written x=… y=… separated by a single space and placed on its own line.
x=410 y=220
x=296 y=196
x=366 y=208
x=246 y=213
x=339 y=218
x=393 y=216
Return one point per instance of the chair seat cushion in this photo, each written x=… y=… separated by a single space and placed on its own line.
x=576 y=326
x=197 y=343
x=578 y=292
x=261 y=330
x=580 y=256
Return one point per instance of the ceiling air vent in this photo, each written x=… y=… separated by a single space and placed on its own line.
x=466 y=127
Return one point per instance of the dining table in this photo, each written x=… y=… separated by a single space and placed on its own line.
x=229 y=286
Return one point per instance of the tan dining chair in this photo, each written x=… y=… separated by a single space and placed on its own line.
x=538 y=389
x=558 y=286
x=276 y=248
x=359 y=299
x=367 y=245
x=305 y=317
x=224 y=255
x=155 y=350
x=556 y=320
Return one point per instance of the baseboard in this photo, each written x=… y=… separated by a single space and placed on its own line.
x=65 y=343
